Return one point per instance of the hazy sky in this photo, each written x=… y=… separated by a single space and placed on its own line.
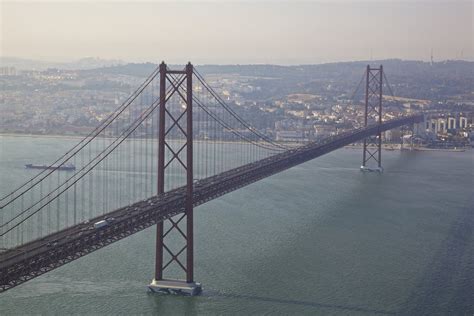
x=271 y=31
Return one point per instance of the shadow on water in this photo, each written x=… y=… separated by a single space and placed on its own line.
x=165 y=304
x=210 y=293
x=447 y=285
x=189 y=304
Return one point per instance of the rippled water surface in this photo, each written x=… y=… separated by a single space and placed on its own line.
x=320 y=238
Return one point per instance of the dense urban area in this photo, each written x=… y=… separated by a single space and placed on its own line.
x=287 y=103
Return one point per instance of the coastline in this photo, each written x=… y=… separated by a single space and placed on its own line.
x=41 y=135
x=387 y=147
x=79 y=137
x=399 y=148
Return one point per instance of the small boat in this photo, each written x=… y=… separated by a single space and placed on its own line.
x=65 y=167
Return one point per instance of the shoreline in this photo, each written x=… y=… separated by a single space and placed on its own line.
x=78 y=137
x=398 y=148
x=42 y=135
x=387 y=147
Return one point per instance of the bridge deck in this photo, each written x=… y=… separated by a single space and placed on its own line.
x=40 y=256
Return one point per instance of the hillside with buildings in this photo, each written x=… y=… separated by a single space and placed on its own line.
x=288 y=103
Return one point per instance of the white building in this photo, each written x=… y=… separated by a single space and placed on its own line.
x=462 y=122
x=452 y=123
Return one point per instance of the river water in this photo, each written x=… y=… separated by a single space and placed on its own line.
x=320 y=238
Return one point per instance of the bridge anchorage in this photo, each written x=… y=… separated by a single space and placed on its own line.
x=372 y=149
x=181 y=122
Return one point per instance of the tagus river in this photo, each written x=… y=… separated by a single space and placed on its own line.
x=320 y=238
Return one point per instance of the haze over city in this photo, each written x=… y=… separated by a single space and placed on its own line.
x=228 y=32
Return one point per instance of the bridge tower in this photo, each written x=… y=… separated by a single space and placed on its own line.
x=372 y=151
x=180 y=84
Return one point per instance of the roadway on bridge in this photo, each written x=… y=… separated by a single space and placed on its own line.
x=42 y=255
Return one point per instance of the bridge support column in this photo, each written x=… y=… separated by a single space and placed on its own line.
x=372 y=151
x=181 y=121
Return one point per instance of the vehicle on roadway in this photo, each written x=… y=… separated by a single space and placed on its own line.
x=101 y=224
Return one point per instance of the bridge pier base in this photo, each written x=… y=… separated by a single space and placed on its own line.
x=175 y=287
x=367 y=169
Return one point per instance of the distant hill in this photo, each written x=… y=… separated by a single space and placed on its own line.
x=439 y=81
x=393 y=68
x=83 y=63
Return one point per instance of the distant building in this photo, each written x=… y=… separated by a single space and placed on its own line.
x=442 y=125
x=8 y=71
x=290 y=136
x=322 y=131
x=451 y=123
x=462 y=122
x=433 y=126
x=393 y=135
x=420 y=128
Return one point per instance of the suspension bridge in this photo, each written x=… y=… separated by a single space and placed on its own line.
x=172 y=145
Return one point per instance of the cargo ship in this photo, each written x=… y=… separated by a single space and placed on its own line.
x=65 y=167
